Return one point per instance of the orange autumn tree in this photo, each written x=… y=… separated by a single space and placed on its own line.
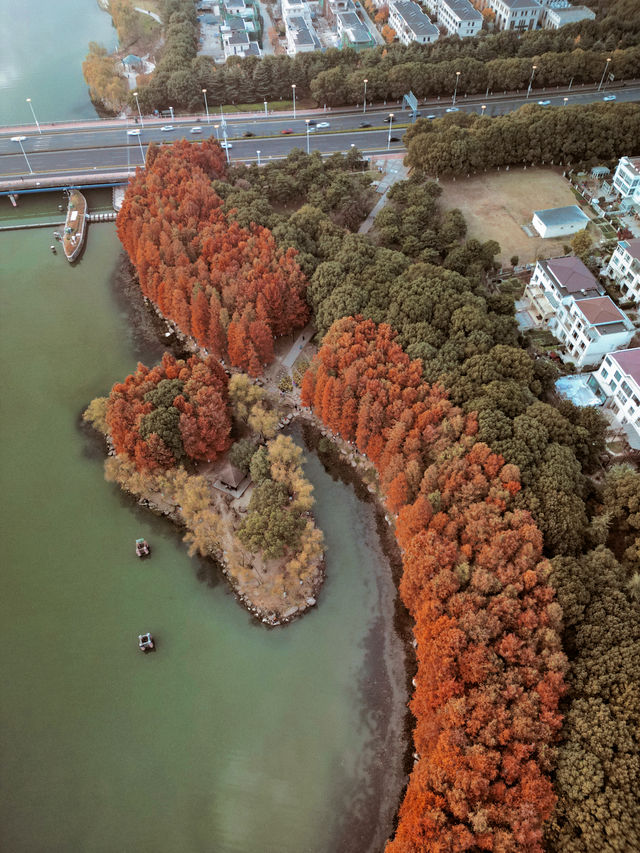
x=174 y=411
x=490 y=665
x=230 y=288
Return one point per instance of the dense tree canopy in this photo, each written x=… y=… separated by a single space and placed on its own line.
x=176 y=411
x=599 y=759
x=490 y=665
x=467 y=143
x=231 y=288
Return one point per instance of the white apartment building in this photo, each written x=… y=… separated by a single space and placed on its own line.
x=626 y=182
x=590 y=328
x=557 y=13
x=299 y=9
x=516 y=14
x=617 y=385
x=411 y=23
x=457 y=17
x=624 y=267
x=566 y=297
x=301 y=36
x=237 y=43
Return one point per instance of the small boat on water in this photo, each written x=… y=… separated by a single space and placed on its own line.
x=146 y=643
x=142 y=548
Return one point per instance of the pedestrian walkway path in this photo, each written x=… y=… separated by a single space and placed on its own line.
x=298 y=345
x=395 y=170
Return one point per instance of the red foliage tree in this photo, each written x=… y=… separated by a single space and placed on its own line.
x=190 y=416
x=199 y=267
x=490 y=665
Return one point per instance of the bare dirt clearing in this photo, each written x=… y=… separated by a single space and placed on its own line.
x=496 y=206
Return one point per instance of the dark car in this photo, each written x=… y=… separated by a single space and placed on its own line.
x=395 y=139
x=364 y=124
x=387 y=118
x=312 y=123
x=286 y=130
x=247 y=134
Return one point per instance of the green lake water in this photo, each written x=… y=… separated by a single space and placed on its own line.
x=232 y=737
x=42 y=46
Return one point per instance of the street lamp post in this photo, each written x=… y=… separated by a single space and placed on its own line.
x=565 y=101
x=533 y=71
x=135 y=95
x=606 y=68
x=171 y=111
x=20 y=140
x=364 y=105
x=141 y=151
x=33 y=113
x=293 y=89
x=455 y=91
x=215 y=127
x=266 y=108
x=389 y=134
x=206 y=105
x=258 y=153
x=308 y=128
x=483 y=108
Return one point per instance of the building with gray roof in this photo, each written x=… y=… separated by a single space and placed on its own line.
x=411 y=23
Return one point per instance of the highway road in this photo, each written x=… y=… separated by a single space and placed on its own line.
x=103 y=147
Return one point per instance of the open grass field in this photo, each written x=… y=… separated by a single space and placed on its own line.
x=498 y=204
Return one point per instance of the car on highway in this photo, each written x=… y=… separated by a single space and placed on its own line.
x=196 y=130
x=432 y=116
x=226 y=145
x=387 y=118
x=324 y=124
x=247 y=134
x=134 y=132
x=452 y=110
x=312 y=123
x=544 y=103
x=167 y=127
x=364 y=124
x=286 y=131
x=394 y=139
x=609 y=98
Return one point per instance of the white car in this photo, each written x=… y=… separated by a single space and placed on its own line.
x=432 y=116
x=167 y=127
x=609 y=98
x=323 y=124
x=544 y=103
x=452 y=110
x=134 y=132
x=196 y=130
x=226 y=145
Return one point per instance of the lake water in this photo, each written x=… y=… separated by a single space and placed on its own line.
x=232 y=737
x=42 y=46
